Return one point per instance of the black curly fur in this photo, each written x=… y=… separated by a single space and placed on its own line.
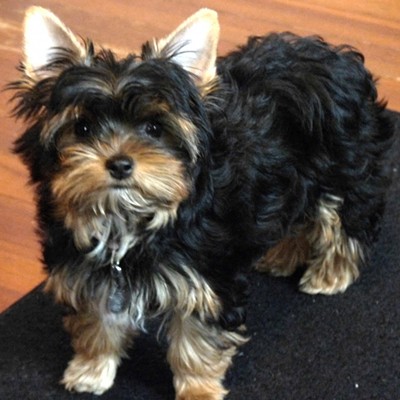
x=157 y=188
x=291 y=120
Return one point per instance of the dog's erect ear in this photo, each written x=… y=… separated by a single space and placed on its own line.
x=44 y=35
x=193 y=45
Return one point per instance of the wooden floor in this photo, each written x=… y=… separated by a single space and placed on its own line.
x=373 y=26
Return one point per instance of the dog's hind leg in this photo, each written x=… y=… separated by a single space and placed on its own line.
x=334 y=258
x=284 y=258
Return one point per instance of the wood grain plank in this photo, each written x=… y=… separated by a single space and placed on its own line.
x=371 y=26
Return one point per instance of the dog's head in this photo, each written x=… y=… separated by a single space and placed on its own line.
x=109 y=136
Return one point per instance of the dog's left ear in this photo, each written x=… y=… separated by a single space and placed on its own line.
x=193 y=45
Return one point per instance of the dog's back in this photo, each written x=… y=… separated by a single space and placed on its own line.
x=299 y=148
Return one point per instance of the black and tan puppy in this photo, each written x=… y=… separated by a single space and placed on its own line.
x=162 y=177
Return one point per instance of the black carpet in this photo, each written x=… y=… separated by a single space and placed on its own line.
x=302 y=347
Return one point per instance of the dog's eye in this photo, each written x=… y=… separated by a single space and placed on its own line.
x=82 y=127
x=153 y=129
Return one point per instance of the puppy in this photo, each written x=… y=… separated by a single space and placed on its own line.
x=162 y=177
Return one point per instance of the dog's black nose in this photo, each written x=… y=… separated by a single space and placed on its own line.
x=120 y=167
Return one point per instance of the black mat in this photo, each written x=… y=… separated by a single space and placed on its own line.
x=344 y=347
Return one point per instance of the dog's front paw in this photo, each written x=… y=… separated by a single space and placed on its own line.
x=206 y=396
x=94 y=375
x=201 y=390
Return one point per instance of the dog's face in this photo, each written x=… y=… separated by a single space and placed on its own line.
x=111 y=136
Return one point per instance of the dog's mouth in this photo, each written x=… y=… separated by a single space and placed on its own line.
x=116 y=187
x=132 y=191
x=133 y=198
x=119 y=186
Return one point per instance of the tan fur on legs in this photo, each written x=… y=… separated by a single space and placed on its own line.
x=99 y=345
x=285 y=257
x=199 y=355
x=335 y=257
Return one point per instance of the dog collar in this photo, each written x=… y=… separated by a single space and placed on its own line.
x=118 y=296
x=115 y=260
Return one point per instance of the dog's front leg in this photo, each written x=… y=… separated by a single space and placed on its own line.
x=199 y=355
x=99 y=342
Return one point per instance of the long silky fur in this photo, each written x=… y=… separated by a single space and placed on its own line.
x=289 y=138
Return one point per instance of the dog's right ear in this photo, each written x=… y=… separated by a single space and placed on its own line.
x=44 y=36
